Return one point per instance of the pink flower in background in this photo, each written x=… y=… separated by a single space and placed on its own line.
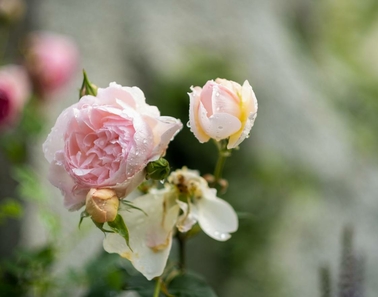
x=14 y=93
x=51 y=60
x=222 y=109
x=106 y=142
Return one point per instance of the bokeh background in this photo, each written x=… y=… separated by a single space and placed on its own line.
x=307 y=173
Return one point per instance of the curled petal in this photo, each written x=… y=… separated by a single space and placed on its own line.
x=249 y=114
x=194 y=115
x=186 y=221
x=166 y=128
x=150 y=236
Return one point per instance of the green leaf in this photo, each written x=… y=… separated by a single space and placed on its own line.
x=83 y=215
x=100 y=226
x=131 y=205
x=141 y=285
x=190 y=285
x=10 y=208
x=118 y=226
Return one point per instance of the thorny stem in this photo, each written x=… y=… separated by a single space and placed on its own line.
x=157 y=287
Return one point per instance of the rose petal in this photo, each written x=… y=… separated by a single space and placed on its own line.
x=187 y=219
x=59 y=177
x=150 y=236
x=249 y=109
x=195 y=126
x=115 y=91
x=220 y=125
x=166 y=128
x=224 y=101
x=216 y=217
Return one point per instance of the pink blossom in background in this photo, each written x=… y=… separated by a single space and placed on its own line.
x=51 y=60
x=222 y=109
x=106 y=142
x=14 y=93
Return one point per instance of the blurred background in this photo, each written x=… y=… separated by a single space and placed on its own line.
x=305 y=182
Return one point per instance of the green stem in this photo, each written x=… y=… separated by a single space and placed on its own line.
x=181 y=241
x=219 y=168
x=157 y=287
x=223 y=153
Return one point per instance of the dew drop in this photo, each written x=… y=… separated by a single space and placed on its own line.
x=188 y=124
x=217 y=94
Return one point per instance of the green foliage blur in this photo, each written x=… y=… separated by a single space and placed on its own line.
x=340 y=39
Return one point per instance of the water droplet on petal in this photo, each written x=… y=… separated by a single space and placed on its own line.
x=217 y=94
x=188 y=124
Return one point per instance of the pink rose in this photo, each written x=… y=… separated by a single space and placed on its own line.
x=14 y=93
x=222 y=109
x=51 y=60
x=106 y=142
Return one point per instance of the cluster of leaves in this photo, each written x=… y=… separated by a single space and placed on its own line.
x=106 y=277
x=27 y=272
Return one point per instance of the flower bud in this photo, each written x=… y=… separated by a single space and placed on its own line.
x=158 y=170
x=52 y=60
x=14 y=93
x=222 y=110
x=102 y=205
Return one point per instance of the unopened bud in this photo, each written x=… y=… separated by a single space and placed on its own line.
x=102 y=205
x=158 y=170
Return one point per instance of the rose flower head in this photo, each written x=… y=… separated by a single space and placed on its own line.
x=51 y=59
x=222 y=109
x=106 y=141
x=14 y=93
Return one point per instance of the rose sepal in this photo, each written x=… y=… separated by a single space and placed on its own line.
x=119 y=226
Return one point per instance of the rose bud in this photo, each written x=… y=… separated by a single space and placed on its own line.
x=51 y=60
x=14 y=92
x=102 y=205
x=158 y=170
x=222 y=109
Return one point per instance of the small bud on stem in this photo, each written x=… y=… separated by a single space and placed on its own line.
x=102 y=205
